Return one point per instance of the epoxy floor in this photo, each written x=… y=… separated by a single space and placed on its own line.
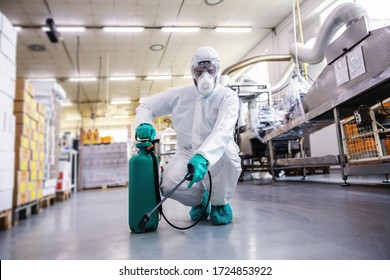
x=286 y=220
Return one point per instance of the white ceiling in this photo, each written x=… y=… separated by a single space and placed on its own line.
x=117 y=54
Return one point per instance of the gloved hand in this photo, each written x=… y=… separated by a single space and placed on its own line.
x=200 y=168
x=145 y=131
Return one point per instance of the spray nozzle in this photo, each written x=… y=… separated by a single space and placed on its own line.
x=142 y=223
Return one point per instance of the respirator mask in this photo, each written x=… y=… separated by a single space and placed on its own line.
x=204 y=74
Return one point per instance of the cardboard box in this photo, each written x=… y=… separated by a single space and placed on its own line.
x=7 y=48
x=32 y=165
x=33 y=145
x=22 y=95
x=6 y=102
x=7 y=179
x=7 y=67
x=7 y=86
x=23 y=130
x=21 y=198
x=22 y=164
x=23 y=153
x=24 y=86
x=31 y=186
x=22 y=141
x=33 y=195
x=6 y=197
x=21 y=106
x=33 y=124
x=21 y=186
x=7 y=122
x=33 y=175
x=41 y=110
x=7 y=141
x=22 y=175
x=8 y=29
x=34 y=155
x=22 y=118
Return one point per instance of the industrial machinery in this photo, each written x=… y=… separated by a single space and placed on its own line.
x=357 y=73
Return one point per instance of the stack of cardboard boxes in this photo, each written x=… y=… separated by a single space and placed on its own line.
x=29 y=144
x=8 y=37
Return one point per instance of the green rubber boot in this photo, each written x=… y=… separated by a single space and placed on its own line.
x=221 y=215
x=197 y=211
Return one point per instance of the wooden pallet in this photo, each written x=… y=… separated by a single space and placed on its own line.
x=47 y=201
x=63 y=195
x=22 y=212
x=5 y=219
x=106 y=187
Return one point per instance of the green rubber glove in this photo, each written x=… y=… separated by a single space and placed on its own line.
x=200 y=168
x=145 y=131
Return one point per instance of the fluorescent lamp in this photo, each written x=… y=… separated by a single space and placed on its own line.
x=123 y=29
x=67 y=28
x=73 y=118
x=158 y=77
x=66 y=103
x=233 y=29
x=122 y=78
x=81 y=79
x=120 y=116
x=118 y=102
x=187 y=77
x=180 y=29
x=43 y=79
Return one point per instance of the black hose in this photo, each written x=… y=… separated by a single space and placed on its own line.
x=145 y=218
x=204 y=211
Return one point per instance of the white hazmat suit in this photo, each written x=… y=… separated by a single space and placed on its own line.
x=204 y=124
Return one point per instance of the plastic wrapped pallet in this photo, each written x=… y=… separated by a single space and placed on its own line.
x=102 y=165
x=7 y=118
x=48 y=96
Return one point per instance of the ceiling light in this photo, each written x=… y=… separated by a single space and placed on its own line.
x=43 y=79
x=180 y=29
x=67 y=28
x=120 y=102
x=212 y=2
x=156 y=47
x=123 y=29
x=122 y=78
x=120 y=116
x=158 y=77
x=233 y=29
x=36 y=47
x=18 y=28
x=81 y=79
x=66 y=103
x=187 y=77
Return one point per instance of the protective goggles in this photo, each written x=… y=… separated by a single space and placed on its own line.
x=204 y=66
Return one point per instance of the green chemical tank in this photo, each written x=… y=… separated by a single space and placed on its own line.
x=143 y=193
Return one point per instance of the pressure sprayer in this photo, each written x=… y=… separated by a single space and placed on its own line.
x=144 y=190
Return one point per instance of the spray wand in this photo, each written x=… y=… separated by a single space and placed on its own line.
x=188 y=176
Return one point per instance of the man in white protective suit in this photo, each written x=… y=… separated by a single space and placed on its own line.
x=204 y=116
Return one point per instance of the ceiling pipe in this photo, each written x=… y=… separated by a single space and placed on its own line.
x=254 y=60
x=345 y=14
